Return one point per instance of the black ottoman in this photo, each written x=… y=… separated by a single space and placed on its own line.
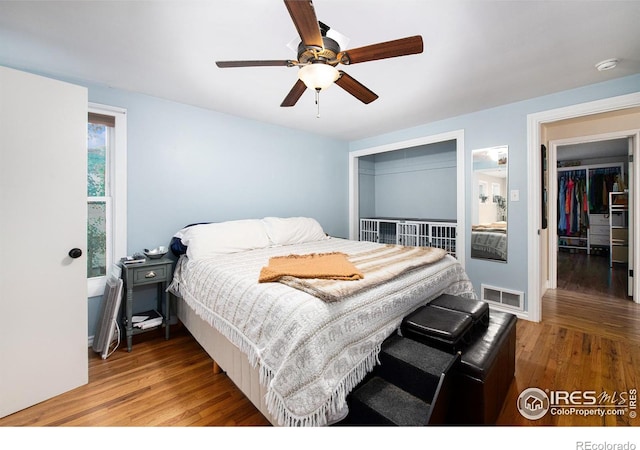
x=482 y=377
x=477 y=309
x=441 y=328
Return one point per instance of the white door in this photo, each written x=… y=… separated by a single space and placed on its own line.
x=43 y=210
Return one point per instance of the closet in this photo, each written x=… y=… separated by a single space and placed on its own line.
x=409 y=196
x=583 y=205
x=588 y=253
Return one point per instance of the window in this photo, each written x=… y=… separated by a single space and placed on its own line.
x=106 y=193
x=482 y=191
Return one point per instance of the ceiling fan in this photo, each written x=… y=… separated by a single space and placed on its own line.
x=318 y=56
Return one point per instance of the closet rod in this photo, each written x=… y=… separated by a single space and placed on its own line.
x=619 y=165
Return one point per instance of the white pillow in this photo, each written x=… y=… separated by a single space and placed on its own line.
x=293 y=230
x=224 y=237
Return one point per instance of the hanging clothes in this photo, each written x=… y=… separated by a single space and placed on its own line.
x=584 y=208
x=562 y=215
x=569 y=204
x=601 y=181
x=583 y=191
x=572 y=203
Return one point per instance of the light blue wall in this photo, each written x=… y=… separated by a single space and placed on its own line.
x=504 y=125
x=419 y=182
x=367 y=187
x=187 y=164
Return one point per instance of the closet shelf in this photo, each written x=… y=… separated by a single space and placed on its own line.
x=619 y=231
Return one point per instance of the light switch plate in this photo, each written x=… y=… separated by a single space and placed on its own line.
x=515 y=195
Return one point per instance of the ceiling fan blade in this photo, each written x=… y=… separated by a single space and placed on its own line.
x=355 y=88
x=259 y=63
x=390 y=49
x=304 y=18
x=294 y=94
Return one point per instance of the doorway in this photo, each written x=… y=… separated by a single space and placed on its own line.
x=626 y=143
x=586 y=253
x=623 y=110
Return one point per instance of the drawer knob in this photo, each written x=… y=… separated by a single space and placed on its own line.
x=151 y=274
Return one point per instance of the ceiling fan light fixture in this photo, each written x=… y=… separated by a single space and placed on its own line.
x=318 y=76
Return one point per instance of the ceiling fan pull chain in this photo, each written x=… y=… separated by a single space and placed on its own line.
x=318 y=103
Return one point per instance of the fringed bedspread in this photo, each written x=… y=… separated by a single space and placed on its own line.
x=310 y=353
x=375 y=267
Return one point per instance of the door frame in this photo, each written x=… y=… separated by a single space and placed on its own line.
x=552 y=160
x=534 y=194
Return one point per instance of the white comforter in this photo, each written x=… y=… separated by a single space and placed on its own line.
x=310 y=353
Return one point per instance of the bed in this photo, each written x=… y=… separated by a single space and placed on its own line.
x=489 y=241
x=296 y=347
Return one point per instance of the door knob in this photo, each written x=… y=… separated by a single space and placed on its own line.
x=75 y=253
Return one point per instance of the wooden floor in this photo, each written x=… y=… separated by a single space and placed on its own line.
x=160 y=383
x=591 y=274
x=586 y=341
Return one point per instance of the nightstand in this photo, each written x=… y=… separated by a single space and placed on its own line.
x=152 y=271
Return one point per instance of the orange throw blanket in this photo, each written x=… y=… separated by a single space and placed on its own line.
x=327 y=266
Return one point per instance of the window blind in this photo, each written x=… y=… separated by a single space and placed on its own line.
x=102 y=119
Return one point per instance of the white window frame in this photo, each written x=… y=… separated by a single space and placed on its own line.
x=117 y=185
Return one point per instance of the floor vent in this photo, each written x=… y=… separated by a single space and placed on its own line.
x=503 y=297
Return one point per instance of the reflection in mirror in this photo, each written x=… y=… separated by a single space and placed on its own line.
x=489 y=210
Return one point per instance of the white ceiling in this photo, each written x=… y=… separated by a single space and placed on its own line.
x=478 y=54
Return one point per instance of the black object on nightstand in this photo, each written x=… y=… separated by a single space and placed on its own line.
x=152 y=271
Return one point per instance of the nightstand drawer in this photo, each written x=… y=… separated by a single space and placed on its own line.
x=154 y=274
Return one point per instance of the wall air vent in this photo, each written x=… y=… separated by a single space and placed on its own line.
x=504 y=297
